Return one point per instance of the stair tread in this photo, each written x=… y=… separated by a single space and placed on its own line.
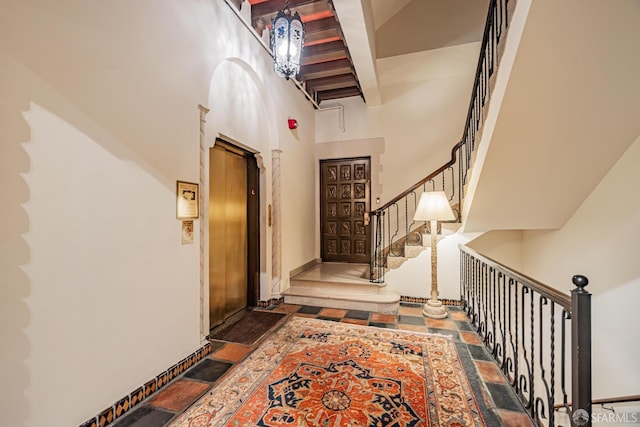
x=342 y=286
x=363 y=283
x=319 y=292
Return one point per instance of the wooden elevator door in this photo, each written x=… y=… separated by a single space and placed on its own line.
x=228 y=253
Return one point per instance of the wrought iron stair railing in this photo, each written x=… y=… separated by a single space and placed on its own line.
x=539 y=336
x=392 y=225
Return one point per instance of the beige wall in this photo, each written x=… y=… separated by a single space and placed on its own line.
x=428 y=24
x=413 y=278
x=602 y=242
x=98 y=120
x=570 y=110
x=503 y=246
x=425 y=99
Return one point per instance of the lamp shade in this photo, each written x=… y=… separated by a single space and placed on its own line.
x=434 y=206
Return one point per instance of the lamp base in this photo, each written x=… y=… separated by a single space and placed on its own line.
x=434 y=309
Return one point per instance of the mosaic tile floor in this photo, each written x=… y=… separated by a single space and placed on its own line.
x=498 y=403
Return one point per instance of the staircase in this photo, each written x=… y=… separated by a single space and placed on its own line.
x=347 y=286
x=394 y=233
x=412 y=250
x=395 y=236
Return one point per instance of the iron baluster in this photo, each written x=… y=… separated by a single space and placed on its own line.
x=533 y=352
x=539 y=402
x=388 y=221
x=462 y=280
x=563 y=360
x=492 y=278
x=406 y=222
x=453 y=187
x=469 y=281
x=374 y=233
x=526 y=385
x=552 y=395
x=392 y=238
x=482 y=304
x=476 y=300
x=515 y=345
x=502 y=308
x=483 y=330
x=380 y=258
x=410 y=228
x=474 y=292
x=383 y=263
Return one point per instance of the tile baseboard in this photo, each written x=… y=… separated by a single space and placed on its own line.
x=122 y=406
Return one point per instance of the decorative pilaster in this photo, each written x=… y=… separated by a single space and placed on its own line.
x=203 y=113
x=276 y=230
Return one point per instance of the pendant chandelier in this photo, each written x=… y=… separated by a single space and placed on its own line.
x=287 y=39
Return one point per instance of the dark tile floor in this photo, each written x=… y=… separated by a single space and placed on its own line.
x=498 y=403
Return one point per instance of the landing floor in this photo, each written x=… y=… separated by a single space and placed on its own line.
x=336 y=272
x=498 y=403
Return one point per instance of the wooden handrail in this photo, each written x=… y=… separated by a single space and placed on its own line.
x=422 y=181
x=608 y=400
x=547 y=291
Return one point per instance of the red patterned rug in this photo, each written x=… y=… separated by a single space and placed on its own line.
x=318 y=373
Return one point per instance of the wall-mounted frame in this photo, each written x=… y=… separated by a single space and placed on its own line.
x=186 y=200
x=187 y=232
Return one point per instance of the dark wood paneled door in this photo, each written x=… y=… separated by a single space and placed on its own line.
x=345 y=198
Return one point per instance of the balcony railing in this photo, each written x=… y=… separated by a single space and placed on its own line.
x=540 y=337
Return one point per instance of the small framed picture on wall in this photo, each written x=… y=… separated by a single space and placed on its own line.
x=186 y=200
x=187 y=232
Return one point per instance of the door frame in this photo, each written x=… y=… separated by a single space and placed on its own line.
x=253 y=221
x=367 y=198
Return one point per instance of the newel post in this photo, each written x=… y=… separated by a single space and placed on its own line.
x=581 y=352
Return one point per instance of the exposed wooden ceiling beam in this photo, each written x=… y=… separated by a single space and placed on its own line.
x=326 y=69
x=308 y=11
x=333 y=82
x=267 y=7
x=333 y=46
x=318 y=37
x=337 y=93
x=321 y=25
x=323 y=57
x=324 y=52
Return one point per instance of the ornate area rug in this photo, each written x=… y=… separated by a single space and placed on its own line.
x=313 y=372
